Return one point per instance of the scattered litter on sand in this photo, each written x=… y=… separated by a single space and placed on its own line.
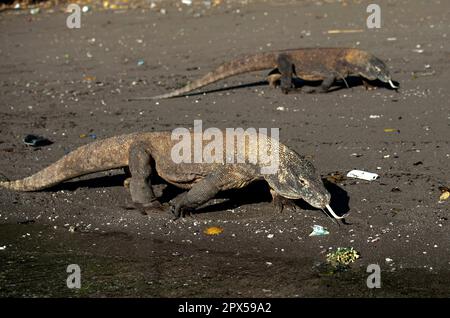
x=345 y=31
x=213 y=230
x=389 y=130
x=445 y=193
x=363 y=175
x=36 y=141
x=319 y=230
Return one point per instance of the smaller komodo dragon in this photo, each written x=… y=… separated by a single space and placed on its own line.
x=310 y=64
x=149 y=153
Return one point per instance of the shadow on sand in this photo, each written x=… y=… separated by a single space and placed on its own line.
x=256 y=192
x=351 y=81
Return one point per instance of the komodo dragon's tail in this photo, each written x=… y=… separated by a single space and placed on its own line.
x=245 y=64
x=94 y=157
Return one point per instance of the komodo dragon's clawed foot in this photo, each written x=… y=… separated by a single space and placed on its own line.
x=179 y=206
x=280 y=203
x=285 y=89
x=199 y=194
x=368 y=86
x=324 y=87
x=179 y=212
x=274 y=80
x=316 y=90
x=310 y=90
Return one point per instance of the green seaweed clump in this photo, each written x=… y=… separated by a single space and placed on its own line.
x=342 y=257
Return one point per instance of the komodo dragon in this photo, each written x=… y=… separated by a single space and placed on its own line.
x=150 y=153
x=310 y=64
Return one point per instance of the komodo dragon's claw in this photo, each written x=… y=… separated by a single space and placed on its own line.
x=175 y=212
x=280 y=203
x=178 y=210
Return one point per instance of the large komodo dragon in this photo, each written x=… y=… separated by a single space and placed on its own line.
x=310 y=64
x=150 y=153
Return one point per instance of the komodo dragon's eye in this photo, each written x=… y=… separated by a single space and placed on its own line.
x=303 y=181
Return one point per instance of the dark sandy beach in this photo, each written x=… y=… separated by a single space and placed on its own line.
x=73 y=85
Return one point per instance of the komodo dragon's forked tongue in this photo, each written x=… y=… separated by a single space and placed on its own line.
x=392 y=84
x=332 y=213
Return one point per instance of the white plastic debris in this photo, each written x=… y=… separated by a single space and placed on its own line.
x=319 y=230
x=2 y=248
x=363 y=175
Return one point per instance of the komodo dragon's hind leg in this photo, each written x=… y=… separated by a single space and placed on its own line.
x=285 y=66
x=126 y=182
x=139 y=163
x=274 y=78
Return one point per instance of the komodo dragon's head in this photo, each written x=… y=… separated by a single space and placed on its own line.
x=370 y=67
x=296 y=178
x=376 y=69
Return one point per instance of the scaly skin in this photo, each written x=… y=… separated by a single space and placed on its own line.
x=310 y=64
x=150 y=153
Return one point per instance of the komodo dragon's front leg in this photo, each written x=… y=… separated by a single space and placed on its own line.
x=285 y=67
x=280 y=202
x=140 y=165
x=199 y=194
x=225 y=178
